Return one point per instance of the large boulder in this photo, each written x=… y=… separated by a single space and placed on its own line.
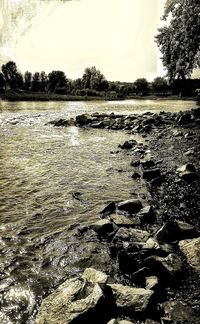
x=180 y=312
x=109 y=208
x=191 y=249
x=151 y=174
x=95 y=276
x=127 y=145
x=102 y=227
x=132 y=206
x=128 y=298
x=123 y=221
x=75 y=300
x=131 y=235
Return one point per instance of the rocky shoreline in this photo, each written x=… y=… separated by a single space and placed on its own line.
x=141 y=260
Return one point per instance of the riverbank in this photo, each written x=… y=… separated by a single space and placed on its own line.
x=32 y=96
x=140 y=261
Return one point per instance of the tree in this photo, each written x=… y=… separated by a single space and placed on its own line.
x=159 y=84
x=94 y=79
x=57 y=79
x=10 y=73
x=36 y=82
x=2 y=81
x=19 y=81
x=43 y=81
x=27 y=80
x=141 y=85
x=178 y=40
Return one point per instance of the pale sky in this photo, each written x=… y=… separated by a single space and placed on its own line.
x=117 y=36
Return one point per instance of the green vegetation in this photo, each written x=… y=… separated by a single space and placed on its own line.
x=179 y=39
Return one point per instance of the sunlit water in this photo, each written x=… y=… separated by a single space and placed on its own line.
x=41 y=168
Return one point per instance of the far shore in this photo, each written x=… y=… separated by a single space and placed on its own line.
x=59 y=97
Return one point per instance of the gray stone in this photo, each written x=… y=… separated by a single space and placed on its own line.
x=123 y=221
x=180 y=312
x=136 y=299
x=164 y=267
x=109 y=208
x=102 y=227
x=73 y=299
x=152 y=283
x=175 y=231
x=187 y=172
x=191 y=249
x=95 y=276
x=150 y=321
x=83 y=119
x=132 y=206
x=131 y=235
x=151 y=174
x=146 y=214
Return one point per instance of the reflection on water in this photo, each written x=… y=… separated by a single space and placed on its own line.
x=41 y=170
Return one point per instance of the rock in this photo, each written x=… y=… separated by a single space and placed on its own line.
x=135 y=163
x=152 y=283
x=154 y=247
x=150 y=321
x=165 y=267
x=187 y=172
x=185 y=119
x=123 y=221
x=140 y=275
x=108 y=209
x=72 y=301
x=147 y=163
x=180 y=312
x=135 y=175
x=175 y=231
x=115 y=321
x=127 y=145
x=95 y=276
x=128 y=298
x=146 y=214
x=132 y=206
x=60 y=122
x=151 y=174
x=191 y=249
x=131 y=235
x=83 y=119
x=102 y=227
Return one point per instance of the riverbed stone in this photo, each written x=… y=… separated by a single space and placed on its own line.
x=175 y=231
x=146 y=214
x=151 y=174
x=128 y=298
x=169 y=267
x=180 y=312
x=83 y=119
x=127 y=145
x=109 y=208
x=72 y=301
x=152 y=283
x=191 y=249
x=95 y=276
x=187 y=172
x=131 y=235
x=102 y=227
x=123 y=221
x=131 y=205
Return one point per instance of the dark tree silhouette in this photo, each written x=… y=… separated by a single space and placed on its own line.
x=36 y=82
x=141 y=85
x=10 y=71
x=2 y=81
x=57 y=79
x=27 y=80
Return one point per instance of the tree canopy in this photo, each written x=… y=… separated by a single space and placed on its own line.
x=179 y=39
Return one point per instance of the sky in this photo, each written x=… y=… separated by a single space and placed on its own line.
x=116 y=36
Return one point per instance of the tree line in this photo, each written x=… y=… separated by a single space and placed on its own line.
x=92 y=83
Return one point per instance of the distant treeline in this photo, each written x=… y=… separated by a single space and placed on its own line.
x=93 y=83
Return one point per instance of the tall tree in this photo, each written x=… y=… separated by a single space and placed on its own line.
x=94 y=79
x=27 y=80
x=179 y=39
x=159 y=84
x=57 y=79
x=10 y=72
x=43 y=81
x=2 y=81
x=141 y=85
x=36 y=82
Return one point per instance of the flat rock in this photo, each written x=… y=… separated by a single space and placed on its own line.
x=132 y=206
x=123 y=221
x=128 y=298
x=187 y=172
x=152 y=282
x=109 y=208
x=191 y=249
x=69 y=302
x=131 y=235
x=146 y=214
x=95 y=276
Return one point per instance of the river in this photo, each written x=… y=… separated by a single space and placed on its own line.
x=43 y=170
